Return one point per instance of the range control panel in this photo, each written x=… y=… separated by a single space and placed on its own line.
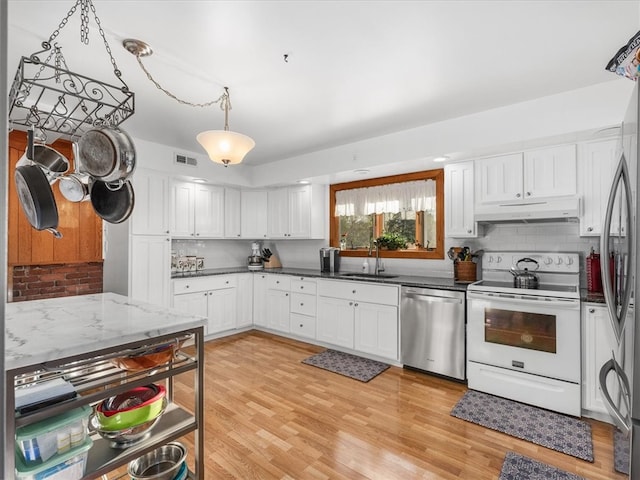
x=552 y=262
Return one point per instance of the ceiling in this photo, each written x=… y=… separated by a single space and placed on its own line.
x=308 y=75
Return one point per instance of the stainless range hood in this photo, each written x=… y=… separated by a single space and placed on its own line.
x=553 y=209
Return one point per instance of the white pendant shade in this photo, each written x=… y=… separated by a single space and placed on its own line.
x=224 y=146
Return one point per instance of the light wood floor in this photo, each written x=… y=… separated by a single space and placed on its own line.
x=268 y=416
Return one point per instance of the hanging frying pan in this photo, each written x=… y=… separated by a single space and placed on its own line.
x=36 y=198
x=52 y=162
x=112 y=204
x=107 y=154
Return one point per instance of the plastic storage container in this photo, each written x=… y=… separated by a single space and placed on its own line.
x=54 y=436
x=66 y=466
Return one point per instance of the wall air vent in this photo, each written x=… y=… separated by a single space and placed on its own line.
x=184 y=160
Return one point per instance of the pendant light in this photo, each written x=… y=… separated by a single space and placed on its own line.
x=225 y=146
x=222 y=146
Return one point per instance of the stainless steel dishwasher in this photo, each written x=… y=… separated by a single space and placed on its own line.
x=433 y=331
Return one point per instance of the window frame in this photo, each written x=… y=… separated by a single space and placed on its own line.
x=436 y=175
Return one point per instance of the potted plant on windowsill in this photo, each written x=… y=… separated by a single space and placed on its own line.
x=391 y=241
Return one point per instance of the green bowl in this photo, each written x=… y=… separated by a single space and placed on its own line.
x=131 y=417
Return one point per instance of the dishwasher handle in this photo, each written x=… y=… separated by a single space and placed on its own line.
x=430 y=297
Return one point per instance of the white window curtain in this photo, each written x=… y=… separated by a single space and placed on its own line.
x=417 y=196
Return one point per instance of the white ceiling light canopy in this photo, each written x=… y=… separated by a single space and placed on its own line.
x=442 y=158
x=222 y=146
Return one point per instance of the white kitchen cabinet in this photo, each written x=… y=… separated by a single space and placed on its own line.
x=260 y=288
x=197 y=210
x=193 y=303
x=519 y=177
x=278 y=310
x=253 y=216
x=302 y=319
x=459 y=201
x=597 y=162
x=297 y=212
x=598 y=343
x=214 y=297
x=151 y=213
x=232 y=213
x=550 y=172
x=150 y=268
x=335 y=322
x=358 y=315
x=221 y=310
x=245 y=300
x=278 y=302
x=499 y=179
x=376 y=329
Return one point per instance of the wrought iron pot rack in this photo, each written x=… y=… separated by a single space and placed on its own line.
x=47 y=96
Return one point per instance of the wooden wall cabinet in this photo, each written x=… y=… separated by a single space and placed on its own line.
x=81 y=228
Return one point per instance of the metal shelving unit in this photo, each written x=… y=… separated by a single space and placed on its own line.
x=95 y=378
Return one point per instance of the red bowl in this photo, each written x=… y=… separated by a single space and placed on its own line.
x=135 y=398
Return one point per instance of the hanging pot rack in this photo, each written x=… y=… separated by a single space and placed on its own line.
x=47 y=96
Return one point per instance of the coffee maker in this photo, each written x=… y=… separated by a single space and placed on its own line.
x=256 y=262
x=329 y=259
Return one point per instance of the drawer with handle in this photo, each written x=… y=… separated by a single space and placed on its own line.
x=202 y=284
x=303 y=304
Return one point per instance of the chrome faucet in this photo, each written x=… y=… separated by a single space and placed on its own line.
x=379 y=268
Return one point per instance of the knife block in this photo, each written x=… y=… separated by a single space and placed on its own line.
x=273 y=262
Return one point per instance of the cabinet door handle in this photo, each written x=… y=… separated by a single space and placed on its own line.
x=517 y=195
x=286 y=294
x=350 y=303
x=300 y=325
x=528 y=194
x=167 y=231
x=355 y=305
x=227 y=282
x=469 y=231
x=592 y=310
x=353 y=291
x=302 y=304
x=186 y=286
x=590 y=229
x=301 y=287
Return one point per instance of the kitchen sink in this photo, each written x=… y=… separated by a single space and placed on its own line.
x=367 y=275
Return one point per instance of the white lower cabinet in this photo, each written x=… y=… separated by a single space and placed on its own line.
x=278 y=292
x=335 y=321
x=245 y=300
x=213 y=297
x=359 y=316
x=376 y=329
x=260 y=299
x=598 y=343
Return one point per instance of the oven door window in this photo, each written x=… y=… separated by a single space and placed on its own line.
x=535 y=331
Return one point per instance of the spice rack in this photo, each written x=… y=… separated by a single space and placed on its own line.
x=95 y=378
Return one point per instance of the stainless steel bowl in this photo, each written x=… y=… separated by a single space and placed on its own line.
x=163 y=463
x=128 y=436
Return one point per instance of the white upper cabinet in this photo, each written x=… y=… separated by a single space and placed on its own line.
x=198 y=210
x=209 y=211
x=550 y=172
x=183 y=205
x=151 y=213
x=231 y=213
x=516 y=178
x=597 y=163
x=499 y=179
x=253 y=214
x=459 y=200
x=278 y=213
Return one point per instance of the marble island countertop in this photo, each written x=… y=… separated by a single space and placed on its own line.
x=408 y=280
x=43 y=330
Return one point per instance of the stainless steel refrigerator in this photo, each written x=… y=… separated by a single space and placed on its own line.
x=620 y=376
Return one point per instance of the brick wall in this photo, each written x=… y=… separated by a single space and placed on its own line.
x=34 y=282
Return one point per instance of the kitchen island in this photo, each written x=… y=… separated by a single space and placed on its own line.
x=74 y=339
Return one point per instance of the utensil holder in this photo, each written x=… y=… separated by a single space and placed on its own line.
x=464 y=271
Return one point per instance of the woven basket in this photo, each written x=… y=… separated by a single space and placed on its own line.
x=465 y=271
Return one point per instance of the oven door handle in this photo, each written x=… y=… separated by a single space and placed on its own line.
x=526 y=300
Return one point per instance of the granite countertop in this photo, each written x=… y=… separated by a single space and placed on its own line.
x=408 y=280
x=43 y=330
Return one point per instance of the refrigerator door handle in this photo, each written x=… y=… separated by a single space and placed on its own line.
x=617 y=317
x=622 y=422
